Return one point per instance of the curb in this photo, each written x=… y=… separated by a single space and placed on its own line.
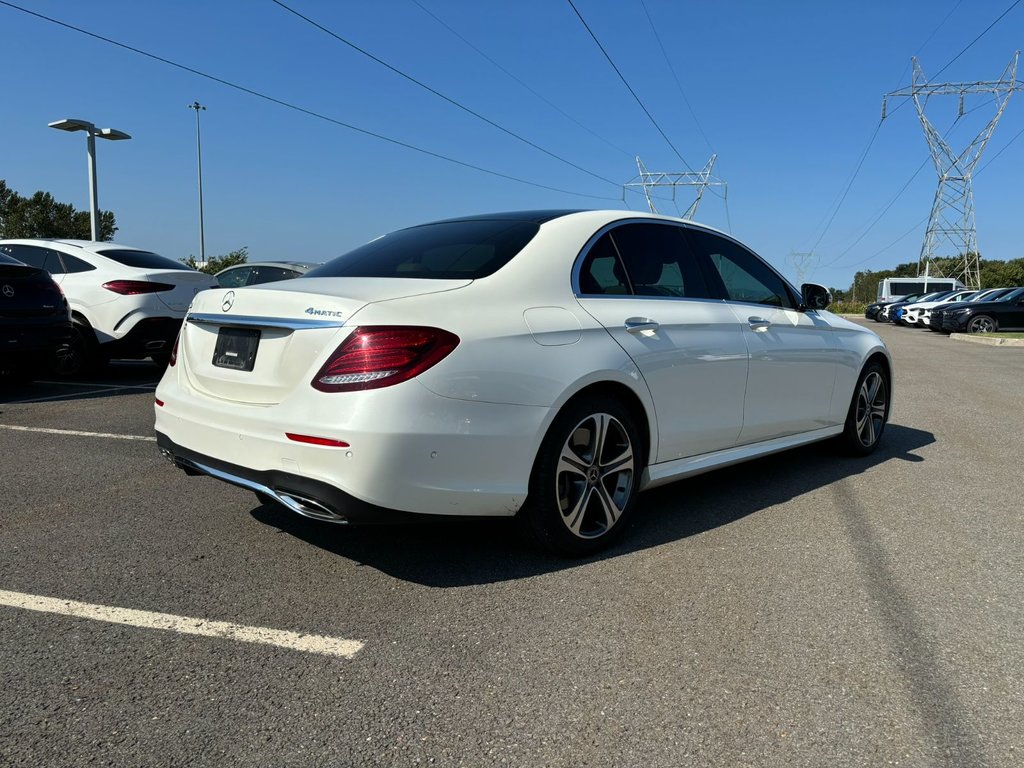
x=980 y=339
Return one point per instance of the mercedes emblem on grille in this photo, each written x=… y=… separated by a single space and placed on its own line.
x=8 y=291
x=229 y=301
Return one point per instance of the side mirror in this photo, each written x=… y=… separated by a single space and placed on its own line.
x=814 y=296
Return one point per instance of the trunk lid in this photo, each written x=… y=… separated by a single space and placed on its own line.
x=292 y=324
x=186 y=285
x=28 y=292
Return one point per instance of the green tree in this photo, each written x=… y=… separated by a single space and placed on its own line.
x=217 y=263
x=42 y=216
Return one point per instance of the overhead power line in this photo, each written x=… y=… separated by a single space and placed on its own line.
x=297 y=108
x=440 y=95
x=966 y=48
x=519 y=80
x=628 y=87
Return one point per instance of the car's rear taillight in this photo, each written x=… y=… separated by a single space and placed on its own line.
x=379 y=356
x=174 y=352
x=133 y=287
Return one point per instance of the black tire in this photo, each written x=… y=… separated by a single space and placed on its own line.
x=869 y=411
x=81 y=356
x=983 y=324
x=585 y=478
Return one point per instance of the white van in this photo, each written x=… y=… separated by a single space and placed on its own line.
x=895 y=288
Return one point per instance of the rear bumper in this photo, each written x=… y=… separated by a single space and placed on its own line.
x=409 y=450
x=149 y=336
x=310 y=498
x=33 y=341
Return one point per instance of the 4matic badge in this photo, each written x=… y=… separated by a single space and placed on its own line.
x=324 y=312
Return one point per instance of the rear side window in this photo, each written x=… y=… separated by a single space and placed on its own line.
x=450 y=250
x=643 y=260
x=142 y=259
x=73 y=264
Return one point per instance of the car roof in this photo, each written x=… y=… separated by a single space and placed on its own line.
x=95 y=246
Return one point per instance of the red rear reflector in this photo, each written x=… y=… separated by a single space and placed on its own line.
x=316 y=440
x=379 y=356
x=174 y=352
x=134 y=287
x=159 y=401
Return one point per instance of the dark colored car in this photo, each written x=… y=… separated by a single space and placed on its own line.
x=35 y=322
x=1006 y=313
x=885 y=309
x=983 y=297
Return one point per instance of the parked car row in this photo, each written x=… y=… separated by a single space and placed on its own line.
x=957 y=311
x=109 y=301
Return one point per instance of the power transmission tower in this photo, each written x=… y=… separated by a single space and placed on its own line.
x=701 y=179
x=802 y=262
x=951 y=227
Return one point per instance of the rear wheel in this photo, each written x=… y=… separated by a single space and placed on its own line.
x=80 y=355
x=869 y=411
x=982 y=324
x=585 y=477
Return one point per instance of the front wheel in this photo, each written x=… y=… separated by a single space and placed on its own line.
x=869 y=412
x=982 y=324
x=585 y=478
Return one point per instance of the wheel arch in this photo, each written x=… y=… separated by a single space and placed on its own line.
x=628 y=398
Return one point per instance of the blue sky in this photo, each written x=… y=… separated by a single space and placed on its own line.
x=787 y=93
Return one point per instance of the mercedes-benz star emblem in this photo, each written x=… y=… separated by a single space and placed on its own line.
x=229 y=301
x=8 y=291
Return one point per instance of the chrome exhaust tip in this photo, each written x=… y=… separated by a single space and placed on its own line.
x=308 y=507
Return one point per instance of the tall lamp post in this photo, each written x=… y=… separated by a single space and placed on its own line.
x=91 y=132
x=199 y=155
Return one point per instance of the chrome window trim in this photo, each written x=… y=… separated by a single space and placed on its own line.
x=256 y=321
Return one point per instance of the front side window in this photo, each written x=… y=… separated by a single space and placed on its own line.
x=744 y=277
x=272 y=274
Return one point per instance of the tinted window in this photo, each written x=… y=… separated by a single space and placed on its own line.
x=448 y=250
x=271 y=274
x=234 y=278
x=659 y=261
x=744 y=276
x=43 y=258
x=602 y=271
x=73 y=264
x=142 y=259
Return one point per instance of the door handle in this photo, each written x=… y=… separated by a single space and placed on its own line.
x=759 y=324
x=640 y=324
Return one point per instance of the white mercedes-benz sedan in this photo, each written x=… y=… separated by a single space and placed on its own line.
x=546 y=364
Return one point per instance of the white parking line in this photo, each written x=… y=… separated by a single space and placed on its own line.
x=76 y=433
x=331 y=646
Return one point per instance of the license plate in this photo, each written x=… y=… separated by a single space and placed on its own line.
x=236 y=348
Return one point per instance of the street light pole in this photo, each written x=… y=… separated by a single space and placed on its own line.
x=91 y=132
x=199 y=156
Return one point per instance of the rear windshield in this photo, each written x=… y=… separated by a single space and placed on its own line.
x=449 y=250
x=142 y=259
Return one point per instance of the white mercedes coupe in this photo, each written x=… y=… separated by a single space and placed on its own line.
x=546 y=364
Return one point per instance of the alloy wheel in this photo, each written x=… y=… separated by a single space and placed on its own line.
x=595 y=475
x=872 y=400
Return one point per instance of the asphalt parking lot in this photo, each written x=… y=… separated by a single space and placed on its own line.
x=802 y=610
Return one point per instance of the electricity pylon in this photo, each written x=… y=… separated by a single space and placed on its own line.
x=951 y=226
x=701 y=179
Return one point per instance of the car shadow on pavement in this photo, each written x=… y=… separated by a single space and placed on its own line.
x=121 y=377
x=455 y=553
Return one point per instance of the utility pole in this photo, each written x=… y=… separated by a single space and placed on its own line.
x=700 y=179
x=951 y=226
x=199 y=155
